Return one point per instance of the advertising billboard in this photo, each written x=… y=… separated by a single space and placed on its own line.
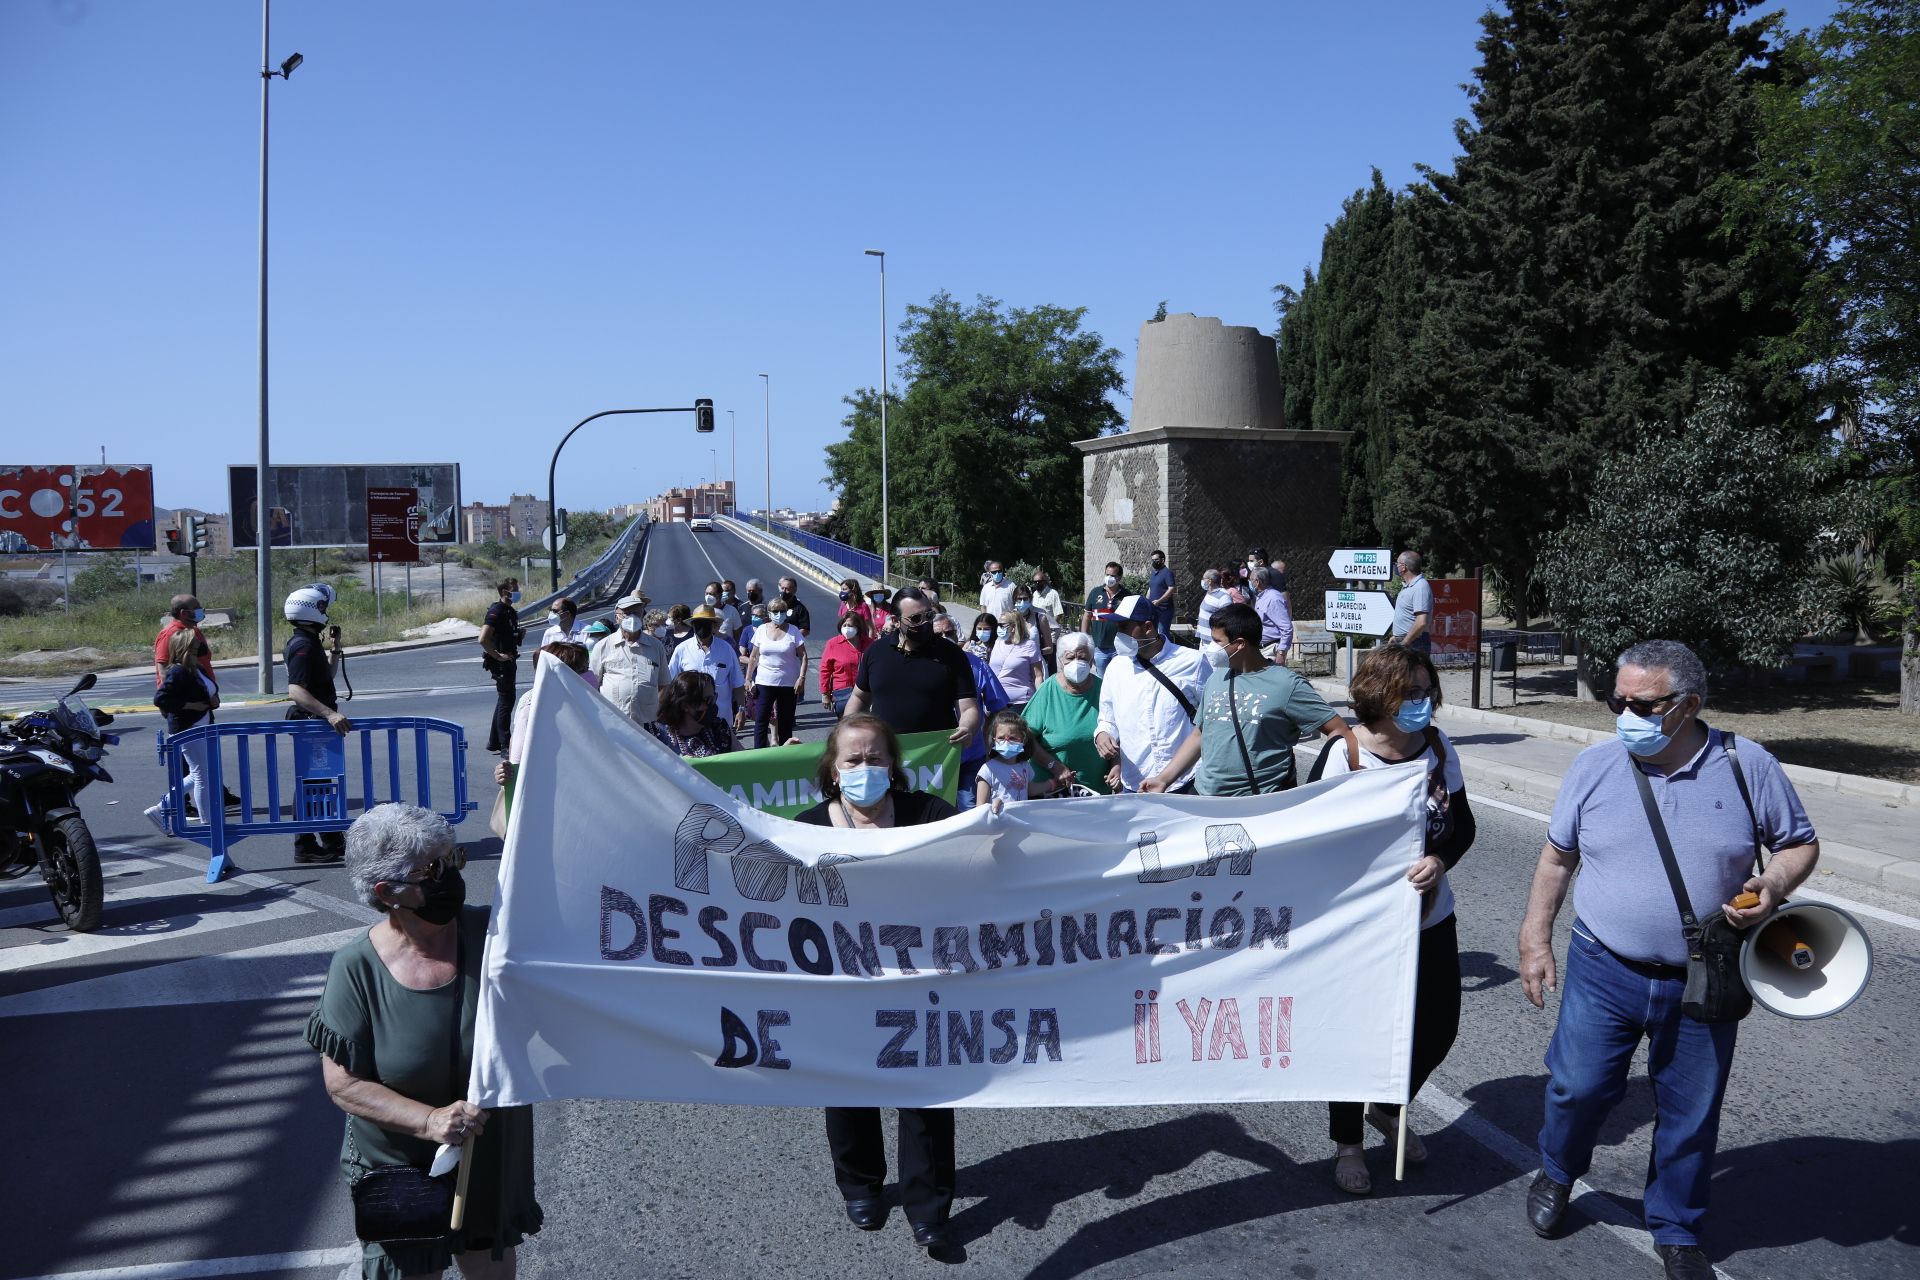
x=393 y=526
x=76 y=508
x=326 y=505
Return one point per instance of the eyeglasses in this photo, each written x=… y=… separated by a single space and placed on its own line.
x=1642 y=707
x=439 y=866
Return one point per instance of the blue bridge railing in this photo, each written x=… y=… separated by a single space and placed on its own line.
x=864 y=563
x=294 y=776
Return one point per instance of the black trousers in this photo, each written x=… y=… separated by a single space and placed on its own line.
x=926 y=1158
x=506 y=676
x=1436 y=1022
x=772 y=702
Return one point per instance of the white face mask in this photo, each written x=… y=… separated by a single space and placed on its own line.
x=1112 y=581
x=851 y=633
x=712 y=598
x=1126 y=646
x=631 y=625
x=1077 y=670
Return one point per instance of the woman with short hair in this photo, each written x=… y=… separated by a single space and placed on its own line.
x=395 y=1031
x=840 y=662
x=1064 y=713
x=865 y=782
x=689 y=724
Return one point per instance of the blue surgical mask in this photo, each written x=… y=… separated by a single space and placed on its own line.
x=513 y=597
x=199 y=616
x=999 y=577
x=1006 y=633
x=865 y=784
x=1008 y=750
x=1414 y=715
x=1024 y=606
x=1642 y=735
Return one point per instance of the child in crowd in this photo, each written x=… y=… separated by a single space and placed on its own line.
x=1007 y=773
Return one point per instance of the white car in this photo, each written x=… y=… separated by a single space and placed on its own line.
x=701 y=524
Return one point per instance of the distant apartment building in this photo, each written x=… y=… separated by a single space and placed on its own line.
x=627 y=511
x=699 y=500
x=522 y=519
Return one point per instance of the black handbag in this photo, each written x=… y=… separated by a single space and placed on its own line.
x=399 y=1203
x=1714 y=991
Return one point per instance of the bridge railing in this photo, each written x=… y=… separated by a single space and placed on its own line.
x=864 y=563
x=591 y=581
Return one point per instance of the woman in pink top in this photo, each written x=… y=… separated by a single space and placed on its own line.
x=1016 y=659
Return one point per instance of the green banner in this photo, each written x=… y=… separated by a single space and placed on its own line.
x=782 y=780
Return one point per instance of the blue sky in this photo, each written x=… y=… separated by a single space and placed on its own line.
x=491 y=219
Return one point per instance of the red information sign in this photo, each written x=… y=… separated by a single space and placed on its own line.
x=1455 y=625
x=76 y=508
x=393 y=526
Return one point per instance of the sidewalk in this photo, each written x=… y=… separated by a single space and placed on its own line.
x=1868 y=826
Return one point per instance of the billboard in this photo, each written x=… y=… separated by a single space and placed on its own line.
x=393 y=526
x=1454 y=627
x=76 y=508
x=326 y=505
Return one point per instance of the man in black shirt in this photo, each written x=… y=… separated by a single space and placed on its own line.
x=500 y=655
x=310 y=689
x=914 y=680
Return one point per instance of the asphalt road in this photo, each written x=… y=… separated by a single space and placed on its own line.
x=165 y=1118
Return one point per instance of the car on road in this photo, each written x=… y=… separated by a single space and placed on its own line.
x=701 y=524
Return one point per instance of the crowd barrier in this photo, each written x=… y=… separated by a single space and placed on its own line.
x=292 y=776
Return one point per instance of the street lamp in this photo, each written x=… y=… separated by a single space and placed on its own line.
x=886 y=530
x=702 y=410
x=733 y=430
x=262 y=537
x=766 y=384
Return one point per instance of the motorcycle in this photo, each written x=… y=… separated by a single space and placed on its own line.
x=46 y=758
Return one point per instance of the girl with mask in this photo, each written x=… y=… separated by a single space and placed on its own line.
x=1395 y=693
x=394 y=1028
x=840 y=662
x=980 y=641
x=1065 y=712
x=1007 y=774
x=866 y=788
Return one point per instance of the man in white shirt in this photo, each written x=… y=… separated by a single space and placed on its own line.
x=631 y=663
x=726 y=617
x=996 y=595
x=716 y=657
x=1147 y=699
x=1046 y=598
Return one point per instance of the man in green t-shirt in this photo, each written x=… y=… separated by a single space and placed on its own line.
x=1251 y=716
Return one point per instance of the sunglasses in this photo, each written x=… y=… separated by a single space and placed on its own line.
x=1642 y=707
x=439 y=867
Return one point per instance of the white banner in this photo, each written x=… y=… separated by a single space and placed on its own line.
x=653 y=939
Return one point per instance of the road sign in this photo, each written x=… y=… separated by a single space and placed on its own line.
x=1454 y=626
x=392 y=524
x=1361 y=564
x=1359 y=613
x=916 y=551
x=546 y=539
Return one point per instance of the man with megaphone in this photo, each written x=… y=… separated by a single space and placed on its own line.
x=1671 y=806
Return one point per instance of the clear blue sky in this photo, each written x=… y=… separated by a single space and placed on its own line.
x=493 y=218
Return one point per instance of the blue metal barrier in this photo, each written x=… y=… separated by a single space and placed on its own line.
x=303 y=766
x=864 y=563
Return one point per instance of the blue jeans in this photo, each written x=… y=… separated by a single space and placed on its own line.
x=1606 y=1006
x=1101 y=657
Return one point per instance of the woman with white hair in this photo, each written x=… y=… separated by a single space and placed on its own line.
x=1065 y=711
x=395 y=1030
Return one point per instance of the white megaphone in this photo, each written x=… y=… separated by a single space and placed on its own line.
x=1809 y=960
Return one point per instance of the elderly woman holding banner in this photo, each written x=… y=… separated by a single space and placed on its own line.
x=866 y=788
x=395 y=1028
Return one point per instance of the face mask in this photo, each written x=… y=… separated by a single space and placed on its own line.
x=851 y=633
x=1006 y=633
x=632 y=625
x=553 y=619
x=442 y=899
x=1024 y=606
x=1112 y=581
x=1008 y=750
x=983 y=636
x=1078 y=670
x=877 y=601
x=777 y=616
x=846 y=595
x=918 y=627
x=998 y=577
x=513 y=597
x=1126 y=646
x=703 y=629
x=711 y=599
x=1414 y=714
x=1643 y=737
x=865 y=784
x=786 y=593
x=199 y=616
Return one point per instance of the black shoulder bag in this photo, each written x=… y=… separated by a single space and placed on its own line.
x=399 y=1203
x=1714 y=992
x=1186 y=703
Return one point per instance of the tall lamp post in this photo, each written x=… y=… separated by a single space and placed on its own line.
x=262 y=521
x=886 y=529
x=766 y=384
x=733 y=429
x=702 y=411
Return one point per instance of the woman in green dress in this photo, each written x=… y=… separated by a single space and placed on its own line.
x=1065 y=711
x=395 y=1026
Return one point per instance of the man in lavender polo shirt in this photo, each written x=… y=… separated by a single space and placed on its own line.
x=1276 y=620
x=1626 y=962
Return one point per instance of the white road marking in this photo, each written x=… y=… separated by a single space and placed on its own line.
x=54 y=948
x=258 y=1264
x=703 y=551
x=293 y=969
x=309 y=897
x=44 y=912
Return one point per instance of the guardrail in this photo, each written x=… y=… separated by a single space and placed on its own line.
x=864 y=563
x=306 y=791
x=593 y=579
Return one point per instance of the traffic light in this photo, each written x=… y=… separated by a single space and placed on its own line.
x=197 y=528
x=176 y=545
x=703 y=416
x=560 y=521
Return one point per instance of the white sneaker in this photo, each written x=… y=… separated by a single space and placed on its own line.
x=159 y=820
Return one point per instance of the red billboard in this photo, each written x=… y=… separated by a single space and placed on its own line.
x=1455 y=625
x=76 y=508
x=393 y=525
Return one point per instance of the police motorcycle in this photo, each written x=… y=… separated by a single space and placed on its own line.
x=46 y=757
